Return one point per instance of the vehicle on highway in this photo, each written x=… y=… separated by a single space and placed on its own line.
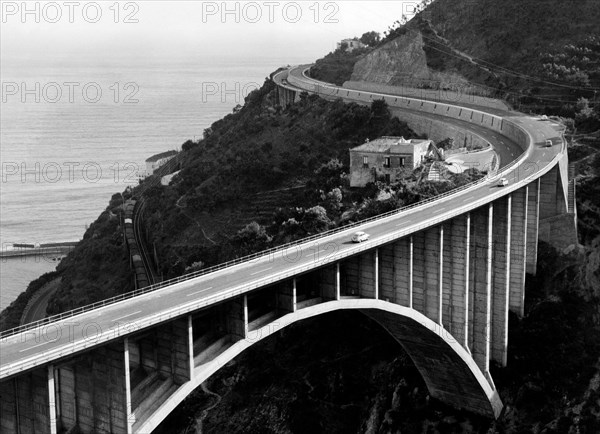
x=548 y=143
x=502 y=182
x=359 y=237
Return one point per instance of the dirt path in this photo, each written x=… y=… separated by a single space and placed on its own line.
x=200 y=420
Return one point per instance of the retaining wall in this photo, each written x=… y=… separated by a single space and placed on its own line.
x=490 y=121
x=438 y=95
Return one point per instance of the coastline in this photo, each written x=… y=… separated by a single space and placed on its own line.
x=21 y=278
x=43 y=250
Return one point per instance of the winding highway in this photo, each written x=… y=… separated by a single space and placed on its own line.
x=520 y=164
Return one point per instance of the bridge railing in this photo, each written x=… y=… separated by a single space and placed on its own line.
x=265 y=253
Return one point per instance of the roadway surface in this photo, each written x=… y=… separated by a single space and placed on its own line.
x=63 y=338
x=37 y=309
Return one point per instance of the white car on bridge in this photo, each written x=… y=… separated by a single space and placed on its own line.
x=359 y=237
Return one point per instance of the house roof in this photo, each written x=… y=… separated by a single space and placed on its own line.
x=391 y=145
x=160 y=156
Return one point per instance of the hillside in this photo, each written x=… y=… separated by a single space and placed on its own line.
x=342 y=373
x=230 y=190
x=537 y=55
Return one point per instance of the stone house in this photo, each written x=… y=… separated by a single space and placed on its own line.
x=387 y=158
x=351 y=44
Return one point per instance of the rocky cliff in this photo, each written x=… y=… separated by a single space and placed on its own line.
x=394 y=62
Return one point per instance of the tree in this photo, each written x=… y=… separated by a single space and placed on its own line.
x=315 y=220
x=252 y=238
x=370 y=38
x=333 y=201
x=379 y=109
x=584 y=111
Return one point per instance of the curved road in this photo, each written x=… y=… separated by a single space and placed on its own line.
x=37 y=310
x=62 y=338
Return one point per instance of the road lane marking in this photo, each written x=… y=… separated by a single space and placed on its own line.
x=130 y=314
x=198 y=292
x=260 y=271
x=35 y=346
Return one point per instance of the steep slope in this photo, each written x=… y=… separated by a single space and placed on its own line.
x=514 y=34
x=403 y=54
x=540 y=55
x=226 y=180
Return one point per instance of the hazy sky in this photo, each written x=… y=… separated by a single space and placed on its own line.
x=180 y=29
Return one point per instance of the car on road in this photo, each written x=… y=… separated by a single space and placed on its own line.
x=359 y=237
x=548 y=143
x=502 y=182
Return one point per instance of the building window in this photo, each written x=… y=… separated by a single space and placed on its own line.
x=388 y=162
x=402 y=161
x=365 y=161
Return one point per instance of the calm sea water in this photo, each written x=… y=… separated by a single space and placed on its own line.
x=65 y=154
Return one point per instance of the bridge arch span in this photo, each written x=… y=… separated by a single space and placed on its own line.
x=449 y=371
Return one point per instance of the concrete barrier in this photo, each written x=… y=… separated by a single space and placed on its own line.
x=439 y=95
x=501 y=124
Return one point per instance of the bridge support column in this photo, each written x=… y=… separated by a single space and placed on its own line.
x=395 y=272
x=455 y=278
x=518 y=250
x=426 y=273
x=190 y=324
x=419 y=267
x=25 y=405
x=501 y=263
x=376 y=273
x=367 y=283
x=236 y=322
x=440 y=271
x=358 y=275
x=52 y=400
x=91 y=391
x=411 y=272
x=533 y=218
x=158 y=361
x=481 y=284
x=286 y=296
x=558 y=215
x=128 y=407
x=173 y=357
x=328 y=282
x=338 y=281
x=552 y=195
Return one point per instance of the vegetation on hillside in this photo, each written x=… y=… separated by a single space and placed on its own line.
x=98 y=267
x=10 y=317
x=337 y=66
x=538 y=55
x=343 y=373
x=259 y=147
x=263 y=147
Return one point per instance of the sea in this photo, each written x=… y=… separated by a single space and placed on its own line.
x=75 y=132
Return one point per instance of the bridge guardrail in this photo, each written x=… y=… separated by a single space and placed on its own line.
x=268 y=252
